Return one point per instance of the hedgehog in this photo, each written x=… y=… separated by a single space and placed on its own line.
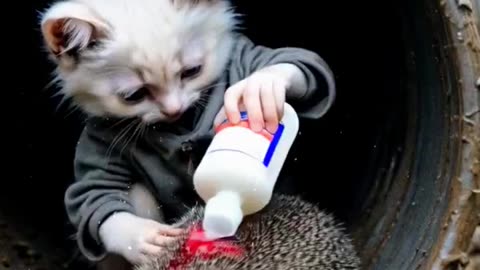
x=289 y=233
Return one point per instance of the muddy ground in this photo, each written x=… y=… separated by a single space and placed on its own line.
x=474 y=252
x=467 y=260
x=24 y=247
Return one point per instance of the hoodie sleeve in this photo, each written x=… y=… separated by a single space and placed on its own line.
x=312 y=102
x=101 y=189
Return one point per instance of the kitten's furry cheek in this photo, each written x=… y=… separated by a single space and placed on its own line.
x=193 y=98
x=88 y=102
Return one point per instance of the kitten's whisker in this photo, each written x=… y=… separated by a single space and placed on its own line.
x=210 y=86
x=115 y=139
x=132 y=136
x=205 y=97
x=73 y=109
x=203 y=100
x=141 y=133
x=121 y=135
x=200 y=105
x=64 y=101
x=56 y=91
x=53 y=85
x=119 y=122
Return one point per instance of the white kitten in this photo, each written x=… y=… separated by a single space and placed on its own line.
x=138 y=58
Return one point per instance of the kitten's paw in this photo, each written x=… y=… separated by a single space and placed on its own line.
x=262 y=95
x=136 y=238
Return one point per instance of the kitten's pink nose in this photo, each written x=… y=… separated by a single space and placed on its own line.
x=171 y=106
x=172 y=112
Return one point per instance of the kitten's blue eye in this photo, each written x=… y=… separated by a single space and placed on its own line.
x=191 y=72
x=135 y=97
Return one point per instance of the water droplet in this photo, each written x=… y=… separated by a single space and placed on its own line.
x=295 y=159
x=129 y=248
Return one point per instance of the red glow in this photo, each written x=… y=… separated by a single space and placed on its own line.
x=198 y=247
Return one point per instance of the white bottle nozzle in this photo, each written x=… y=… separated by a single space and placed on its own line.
x=223 y=215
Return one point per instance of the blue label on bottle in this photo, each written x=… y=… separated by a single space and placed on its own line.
x=273 y=138
x=273 y=145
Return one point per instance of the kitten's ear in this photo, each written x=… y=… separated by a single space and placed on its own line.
x=70 y=27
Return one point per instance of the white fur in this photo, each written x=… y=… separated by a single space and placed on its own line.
x=80 y=32
x=142 y=43
x=126 y=234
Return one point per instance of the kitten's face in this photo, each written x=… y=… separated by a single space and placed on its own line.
x=138 y=58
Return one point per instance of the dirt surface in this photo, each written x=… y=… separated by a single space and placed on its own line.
x=474 y=252
x=468 y=260
x=24 y=248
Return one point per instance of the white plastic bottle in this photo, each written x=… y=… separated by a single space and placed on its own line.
x=237 y=175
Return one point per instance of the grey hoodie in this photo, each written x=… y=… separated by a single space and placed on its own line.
x=164 y=157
